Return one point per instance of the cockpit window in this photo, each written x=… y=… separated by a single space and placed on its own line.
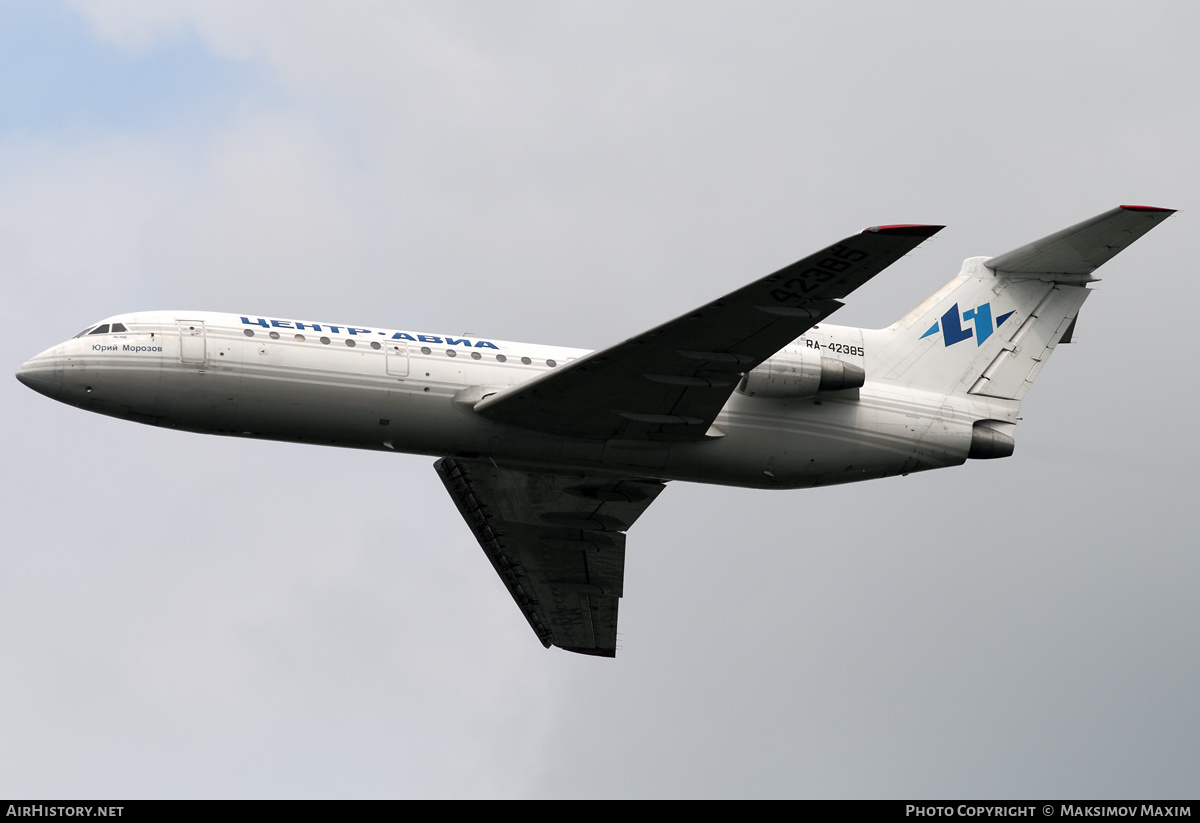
x=118 y=327
x=101 y=329
x=84 y=333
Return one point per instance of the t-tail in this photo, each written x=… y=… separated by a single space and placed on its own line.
x=988 y=332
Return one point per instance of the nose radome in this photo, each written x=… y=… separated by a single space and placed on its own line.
x=41 y=374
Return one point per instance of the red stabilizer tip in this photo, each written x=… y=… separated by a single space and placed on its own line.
x=1147 y=208
x=906 y=229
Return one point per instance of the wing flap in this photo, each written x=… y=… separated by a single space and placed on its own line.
x=670 y=382
x=556 y=540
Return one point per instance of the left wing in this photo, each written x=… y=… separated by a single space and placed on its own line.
x=671 y=382
x=556 y=540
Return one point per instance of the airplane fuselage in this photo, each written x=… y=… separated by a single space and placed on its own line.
x=355 y=387
x=552 y=454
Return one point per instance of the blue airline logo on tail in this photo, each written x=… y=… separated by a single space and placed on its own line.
x=980 y=318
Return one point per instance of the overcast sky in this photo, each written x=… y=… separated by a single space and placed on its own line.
x=194 y=616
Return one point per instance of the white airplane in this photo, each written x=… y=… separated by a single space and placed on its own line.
x=551 y=454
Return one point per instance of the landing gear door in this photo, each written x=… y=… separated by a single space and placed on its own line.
x=191 y=342
x=397 y=358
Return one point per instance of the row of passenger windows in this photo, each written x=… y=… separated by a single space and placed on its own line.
x=351 y=342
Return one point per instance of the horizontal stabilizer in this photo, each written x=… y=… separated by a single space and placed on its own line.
x=1084 y=247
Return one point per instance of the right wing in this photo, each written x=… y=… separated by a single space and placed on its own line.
x=670 y=382
x=556 y=540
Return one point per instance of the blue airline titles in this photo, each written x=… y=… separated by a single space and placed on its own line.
x=400 y=335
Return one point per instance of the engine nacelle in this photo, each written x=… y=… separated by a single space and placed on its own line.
x=800 y=373
x=989 y=442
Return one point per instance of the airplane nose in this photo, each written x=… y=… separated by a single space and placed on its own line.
x=42 y=375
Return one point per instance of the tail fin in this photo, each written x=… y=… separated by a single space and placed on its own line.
x=990 y=330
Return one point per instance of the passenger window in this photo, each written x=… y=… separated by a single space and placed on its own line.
x=100 y=329
x=299 y=338
x=451 y=353
x=248 y=332
x=475 y=355
x=501 y=358
x=376 y=345
x=350 y=342
x=324 y=341
x=274 y=335
x=526 y=360
x=425 y=350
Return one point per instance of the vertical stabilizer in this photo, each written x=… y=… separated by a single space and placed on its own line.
x=989 y=331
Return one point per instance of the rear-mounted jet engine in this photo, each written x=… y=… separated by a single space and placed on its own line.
x=800 y=373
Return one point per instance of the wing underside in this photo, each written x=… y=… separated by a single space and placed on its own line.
x=670 y=382
x=556 y=540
